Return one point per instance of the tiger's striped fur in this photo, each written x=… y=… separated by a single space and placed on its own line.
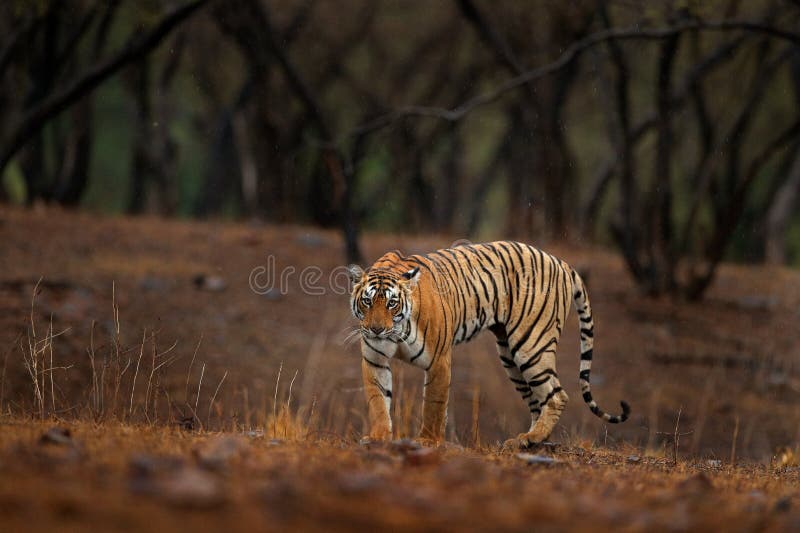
x=416 y=308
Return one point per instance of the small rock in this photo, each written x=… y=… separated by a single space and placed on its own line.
x=783 y=505
x=533 y=459
x=209 y=283
x=311 y=240
x=152 y=465
x=758 y=502
x=421 y=457
x=272 y=294
x=154 y=284
x=217 y=453
x=191 y=487
x=714 y=463
x=379 y=457
x=57 y=435
x=404 y=445
x=633 y=459
x=757 y=303
x=358 y=482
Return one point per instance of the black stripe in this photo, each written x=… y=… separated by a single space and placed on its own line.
x=536 y=356
x=538 y=382
x=549 y=371
x=584 y=374
x=587 y=331
x=552 y=393
x=587 y=355
x=530 y=293
x=538 y=317
x=422 y=348
x=375 y=349
x=376 y=365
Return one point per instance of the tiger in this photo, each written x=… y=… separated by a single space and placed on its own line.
x=416 y=308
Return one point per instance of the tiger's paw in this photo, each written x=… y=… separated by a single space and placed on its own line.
x=523 y=441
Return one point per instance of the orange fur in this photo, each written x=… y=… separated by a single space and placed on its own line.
x=417 y=308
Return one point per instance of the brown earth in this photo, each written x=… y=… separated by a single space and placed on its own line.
x=197 y=347
x=111 y=477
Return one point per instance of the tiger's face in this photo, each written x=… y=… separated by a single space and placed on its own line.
x=381 y=301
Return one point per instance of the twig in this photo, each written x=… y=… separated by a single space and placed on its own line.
x=275 y=397
x=208 y=418
x=733 y=443
x=289 y=399
x=189 y=372
x=199 y=384
x=33 y=350
x=90 y=353
x=136 y=373
x=676 y=437
x=311 y=415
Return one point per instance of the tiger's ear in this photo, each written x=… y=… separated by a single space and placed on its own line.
x=412 y=276
x=356 y=273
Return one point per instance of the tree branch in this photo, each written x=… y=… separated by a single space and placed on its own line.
x=34 y=119
x=728 y=222
x=11 y=44
x=568 y=56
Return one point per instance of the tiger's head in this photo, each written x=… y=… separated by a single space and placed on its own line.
x=381 y=300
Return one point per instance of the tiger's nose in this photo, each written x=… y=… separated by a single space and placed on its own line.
x=377 y=330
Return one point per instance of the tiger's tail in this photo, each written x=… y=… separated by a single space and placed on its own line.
x=587 y=343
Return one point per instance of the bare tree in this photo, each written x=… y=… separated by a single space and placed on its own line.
x=53 y=96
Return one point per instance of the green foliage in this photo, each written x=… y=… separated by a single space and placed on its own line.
x=109 y=185
x=14 y=184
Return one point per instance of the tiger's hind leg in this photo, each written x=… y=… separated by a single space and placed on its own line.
x=514 y=374
x=538 y=370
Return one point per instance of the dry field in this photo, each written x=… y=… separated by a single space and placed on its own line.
x=112 y=476
x=192 y=400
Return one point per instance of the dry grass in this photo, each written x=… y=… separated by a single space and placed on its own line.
x=112 y=476
x=250 y=409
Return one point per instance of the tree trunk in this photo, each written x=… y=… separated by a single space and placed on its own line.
x=780 y=214
x=661 y=252
x=140 y=173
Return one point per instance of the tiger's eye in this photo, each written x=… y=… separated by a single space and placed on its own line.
x=392 y=303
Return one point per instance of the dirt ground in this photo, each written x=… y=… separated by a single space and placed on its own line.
x=143 y=326
x=112 y=477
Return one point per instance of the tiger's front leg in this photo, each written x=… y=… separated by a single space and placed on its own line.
x=435 y=396
x=377 y=375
